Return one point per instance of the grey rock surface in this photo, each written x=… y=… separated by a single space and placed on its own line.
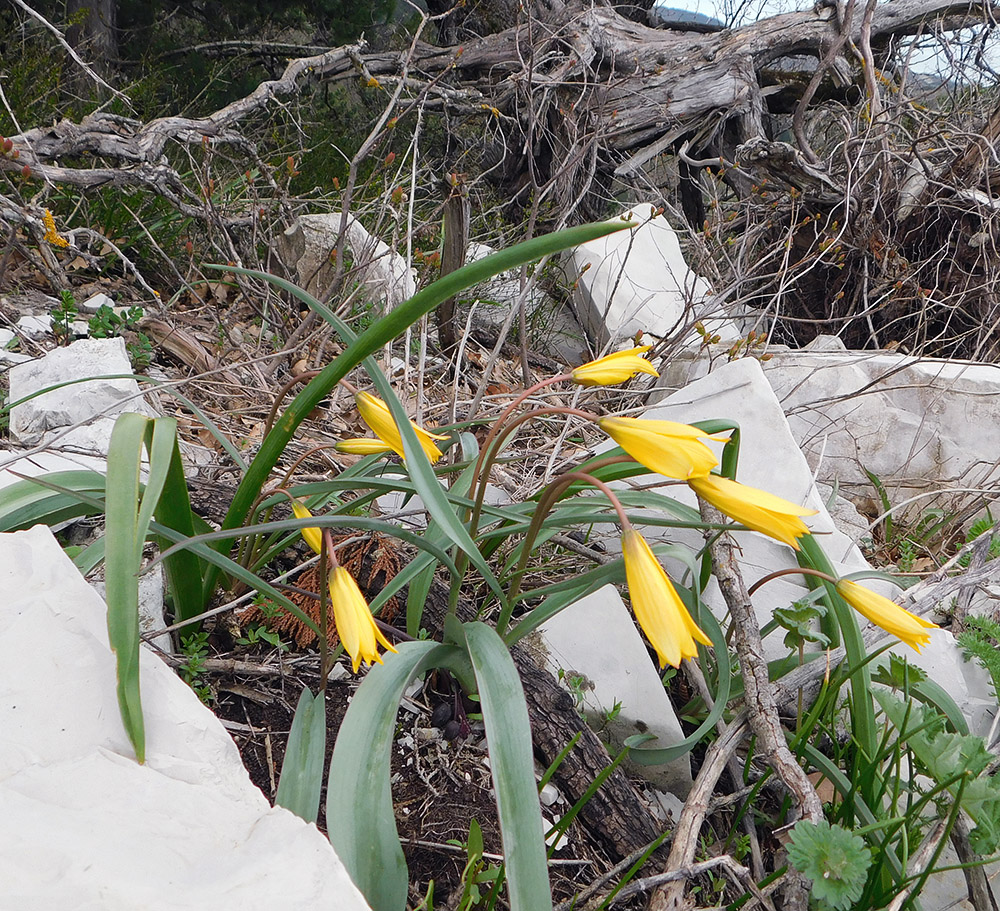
x=307 y=248
x=86 y=826
x=98 y=400
x=596 y=640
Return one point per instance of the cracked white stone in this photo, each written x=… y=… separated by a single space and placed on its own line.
x=638 y=280
x=927 y=428
x=99 y=400
x=307 y=247
x=86 y=826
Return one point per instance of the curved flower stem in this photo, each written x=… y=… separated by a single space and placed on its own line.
x=325 y=550
x=484 y=465
x=294 y=466
x=544 y=507
x=790 y=571
x=280 y=397
x=813 y=556
x=497 y=436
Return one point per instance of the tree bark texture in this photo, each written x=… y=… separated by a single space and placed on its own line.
x=584 y=76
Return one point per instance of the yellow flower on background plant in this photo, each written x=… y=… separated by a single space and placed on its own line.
x=756 y=509
x=658 y=608
x=51 y=234
x=896 y=620
x=363 y=446
x=312 y=536
x=355 y=624
x=614 y=368
x=668 y=448
x=376 y=415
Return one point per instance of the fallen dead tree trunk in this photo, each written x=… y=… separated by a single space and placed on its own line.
x=569 y=78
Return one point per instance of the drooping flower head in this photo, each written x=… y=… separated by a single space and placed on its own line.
x=376 y=415
x=895 y=620
x=355 y=624
x=312 y=536
x=614 y=368
x=756 y=509
x=666 y=447
x=657 y=606
x=363 y=446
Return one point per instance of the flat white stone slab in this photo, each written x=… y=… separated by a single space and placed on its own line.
x=921 y=425
x=638 y=280
x=84 y=825
x=99 y=400
x=596 y=639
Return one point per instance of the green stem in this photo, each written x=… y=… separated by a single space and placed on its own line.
x=325 y=549
x=812 y=556
x=545 y=505
x=484 y=465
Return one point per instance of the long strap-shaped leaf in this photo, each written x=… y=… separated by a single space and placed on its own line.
x=379 y=334
x=29 y=502
x=302 y=768
x=359 y=813
x=508 y=736
x=127 y=522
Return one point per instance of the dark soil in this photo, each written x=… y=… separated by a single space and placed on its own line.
x=439 y=786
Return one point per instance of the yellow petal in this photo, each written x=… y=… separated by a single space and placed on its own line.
x=614 y=368
x=355 y=625
x=756 y=509
x=657 y=606
x=671 y=449
x=896 y=620
x=312 y=536
x=363 y=446
x=376 y=415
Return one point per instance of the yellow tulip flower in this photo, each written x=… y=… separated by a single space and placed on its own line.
x=896 y=620
x=671 y=449
x=756 y=509
x=312 y=536
x=614 y=368
x=363 y=446
x=355 y=624
x=657 y=606
x=376 y=415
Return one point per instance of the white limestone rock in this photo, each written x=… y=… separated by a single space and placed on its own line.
x=94 y=303
x=552 y=329
x=306 y=247
x=596 y=639
x=98 y=401
x=638 y=280
x=85 y=826
x=34 y=326
x=925 y=427
x=151 y=587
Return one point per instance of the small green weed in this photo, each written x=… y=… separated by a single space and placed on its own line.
x=477 y=873
x=195 y=651
x=980 y=527
x=107 y=323
x=63 y=317
x=255 y=635
x=981 y=640
x=576 y=684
